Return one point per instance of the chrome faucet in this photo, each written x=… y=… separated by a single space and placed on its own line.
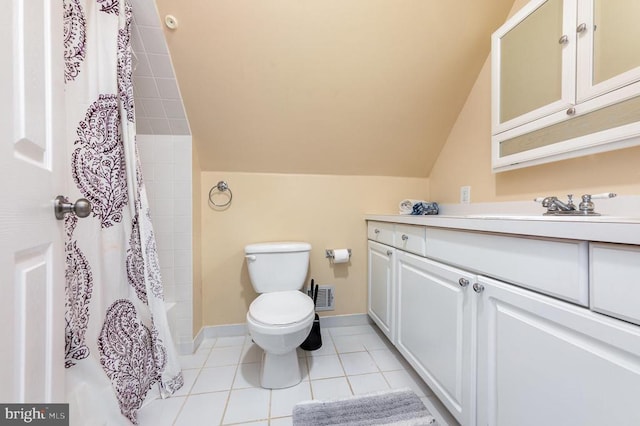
x=556 y=207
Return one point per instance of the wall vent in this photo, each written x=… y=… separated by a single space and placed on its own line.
x=325 y=300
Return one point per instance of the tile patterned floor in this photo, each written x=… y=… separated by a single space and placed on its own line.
x=222 y=380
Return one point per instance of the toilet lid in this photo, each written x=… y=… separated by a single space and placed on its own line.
x=281 y=307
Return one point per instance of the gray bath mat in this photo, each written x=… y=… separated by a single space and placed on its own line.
x=396 y=407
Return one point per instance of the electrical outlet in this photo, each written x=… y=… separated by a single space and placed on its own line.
x=465 y=194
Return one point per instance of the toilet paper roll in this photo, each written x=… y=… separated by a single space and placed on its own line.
x=340 y=255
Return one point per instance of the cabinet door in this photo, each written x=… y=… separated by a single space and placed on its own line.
x=546 y=362
x=534 y=63
x=608 y=53
x=381 y=276
x=435 y=330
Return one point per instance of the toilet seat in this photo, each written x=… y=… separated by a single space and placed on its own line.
x=281 y=309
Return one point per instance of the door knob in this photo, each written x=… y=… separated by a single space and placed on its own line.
x=81 y=208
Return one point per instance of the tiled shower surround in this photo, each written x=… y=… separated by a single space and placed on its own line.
x=166 y=169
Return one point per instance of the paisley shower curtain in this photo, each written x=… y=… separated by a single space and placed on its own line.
x=118 y=347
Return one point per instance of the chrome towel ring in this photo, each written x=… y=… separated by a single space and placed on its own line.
x=221 y=186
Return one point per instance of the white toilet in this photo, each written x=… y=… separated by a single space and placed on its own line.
x=280 y=319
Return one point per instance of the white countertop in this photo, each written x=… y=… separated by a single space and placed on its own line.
x=612 y=229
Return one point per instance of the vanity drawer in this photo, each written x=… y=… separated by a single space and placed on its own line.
x=615 y=280
x=381 y=232
x=555 y=267
x=411 y=238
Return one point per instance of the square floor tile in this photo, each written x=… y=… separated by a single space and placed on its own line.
x=246 y=405
x=209 y=406
x=388 y=359
x=358 y=363
x=222 y=380
x=328 y=389
x=327 y=347
x=373 y=341
x=214 y=379
x=282 y=421
x=351 y=330
x=189 y=377
x=283 y=400
x=224 y=356
x=367 y=383
x=351 y=343
x=247 y=376
x=407 y=379
x=195 y=360
x=438 y=410
x=321 y=367
x=251 y=353
x=160 y=412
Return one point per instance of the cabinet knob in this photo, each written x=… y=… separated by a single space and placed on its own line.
x=581 y=28
x=571 y=111
x=405 y=237
x=389 y=252
x=564 y=39
x=376 y=231
x=478 y=288
x=463 y=282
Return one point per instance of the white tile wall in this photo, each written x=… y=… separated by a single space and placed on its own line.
x=158 y=104
x=166 y=170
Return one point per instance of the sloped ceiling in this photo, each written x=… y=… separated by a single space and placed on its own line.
x=352 y=87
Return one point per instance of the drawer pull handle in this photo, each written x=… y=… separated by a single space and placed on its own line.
x=389 y=252
x=478 y=288
x=405 y=237
x=376 y=231
x=463 y=282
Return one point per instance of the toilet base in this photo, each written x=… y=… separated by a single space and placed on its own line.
x=280 y=370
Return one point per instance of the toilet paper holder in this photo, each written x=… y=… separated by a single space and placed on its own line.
x=329 y=254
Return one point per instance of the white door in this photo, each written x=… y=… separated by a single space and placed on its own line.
x=31 y=239
x=381 y=278
x=435 y=330
x=542 y=361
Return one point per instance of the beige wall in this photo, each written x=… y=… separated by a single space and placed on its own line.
x=466 y=160
x=325 y=210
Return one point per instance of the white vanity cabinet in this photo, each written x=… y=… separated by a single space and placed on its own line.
x=565 y=81
x=381 y=304
x=542 y=361
x=434 y=329
x=512 y=328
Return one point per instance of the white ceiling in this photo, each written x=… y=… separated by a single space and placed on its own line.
x=158 y=103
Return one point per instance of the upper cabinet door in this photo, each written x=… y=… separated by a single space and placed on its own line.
x=608 y=49
x=534 y=63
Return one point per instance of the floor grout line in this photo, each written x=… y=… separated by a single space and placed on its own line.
x=369 y=346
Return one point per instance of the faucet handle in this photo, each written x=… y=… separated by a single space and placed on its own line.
x=586 y=206
x=570 y=202
x=603 y=195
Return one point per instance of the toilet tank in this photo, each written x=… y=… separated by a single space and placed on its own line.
x=277 y=266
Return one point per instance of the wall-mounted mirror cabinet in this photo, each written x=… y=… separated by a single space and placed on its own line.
x=565 y=81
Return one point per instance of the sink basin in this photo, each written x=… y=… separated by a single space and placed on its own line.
x=567 y=218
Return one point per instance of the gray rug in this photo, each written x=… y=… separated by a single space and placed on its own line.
x=400 y=407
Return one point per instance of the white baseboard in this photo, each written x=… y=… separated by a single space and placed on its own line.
x=212 y=331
